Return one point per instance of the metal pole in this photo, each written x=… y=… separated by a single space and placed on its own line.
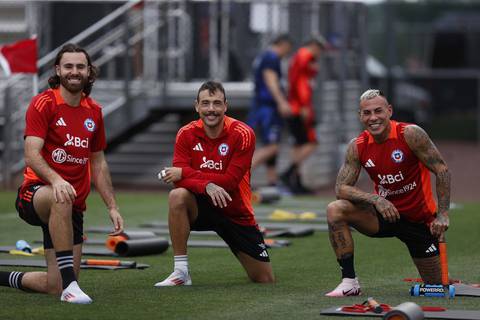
x=343 y=67
x=127 y=68
x=225 y=36
x=7 y=143
x=363 y=46
x=315 y=19
x=390 y=43
x=171 y=45
x=478 y=110
x=213 y=40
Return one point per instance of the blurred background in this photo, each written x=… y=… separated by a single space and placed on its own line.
x=153 y=56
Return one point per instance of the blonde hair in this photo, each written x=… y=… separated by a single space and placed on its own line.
x=371 y=93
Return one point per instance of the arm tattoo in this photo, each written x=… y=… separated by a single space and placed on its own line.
x=423 y=147
x=443 y=191
x=348 y=176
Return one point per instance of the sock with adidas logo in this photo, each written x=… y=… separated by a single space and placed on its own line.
x=11 y=279
x=65 y=265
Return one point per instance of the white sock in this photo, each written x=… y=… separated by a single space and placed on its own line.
x=181 y=263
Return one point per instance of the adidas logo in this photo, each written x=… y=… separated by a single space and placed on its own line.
x=431 y=249
x=369 y=164
x=198 y=147
x=61 y=123
x=264 y=254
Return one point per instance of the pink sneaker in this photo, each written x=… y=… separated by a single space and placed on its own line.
x=348 y=287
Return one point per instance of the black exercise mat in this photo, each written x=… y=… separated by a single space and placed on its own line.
x=290 y=229
x=277 y=243
x=42 y=264
x=462 y=289
x=97 y=251
x=293 y=225
x=163 y=231
x=318 y=220
x=448 y=314
x=270 y=225
x=158 y=231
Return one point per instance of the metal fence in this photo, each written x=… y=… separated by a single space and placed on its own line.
x=144 y=48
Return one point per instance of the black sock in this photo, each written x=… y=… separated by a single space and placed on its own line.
x=65 y=264
x=346 y=264
x=11 y=279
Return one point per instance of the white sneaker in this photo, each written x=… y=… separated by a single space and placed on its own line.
x=348 y=287
x=74 y=294
x=177 y=278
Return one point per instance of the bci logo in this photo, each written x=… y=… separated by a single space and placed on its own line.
x=390 y=178
x=210 y=164
x=76 y=141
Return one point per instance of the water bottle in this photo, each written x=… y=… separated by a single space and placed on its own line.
x=23 y=245
x=432 y=290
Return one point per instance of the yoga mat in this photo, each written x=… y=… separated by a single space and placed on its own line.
x=42 y=264
x=448 y=314
x=462 y=289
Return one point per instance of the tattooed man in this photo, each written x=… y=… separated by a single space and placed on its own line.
x=398 y=157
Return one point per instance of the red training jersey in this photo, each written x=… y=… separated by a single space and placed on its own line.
x=399 y=176
x=71 y=134
x=299 y=75
x=225 y=161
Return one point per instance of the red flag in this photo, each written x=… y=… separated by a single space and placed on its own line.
x=19 y=57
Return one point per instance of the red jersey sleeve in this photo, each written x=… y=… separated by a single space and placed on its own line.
x=38 y=116
x=182 y=159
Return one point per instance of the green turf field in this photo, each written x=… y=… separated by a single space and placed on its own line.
x=221 y=290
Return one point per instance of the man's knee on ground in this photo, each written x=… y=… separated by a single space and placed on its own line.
x=54 y=289
x=265 y=277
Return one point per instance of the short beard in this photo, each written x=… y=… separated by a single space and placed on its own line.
x=74 y=89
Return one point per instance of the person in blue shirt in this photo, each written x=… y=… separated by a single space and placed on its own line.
x=269 y=105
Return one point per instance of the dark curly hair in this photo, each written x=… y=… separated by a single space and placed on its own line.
x=54 y=80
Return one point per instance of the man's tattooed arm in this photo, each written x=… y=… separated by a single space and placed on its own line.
x=348 y=176
x=423 y=147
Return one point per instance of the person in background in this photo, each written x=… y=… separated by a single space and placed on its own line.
x=301 y=122
x=269 y=105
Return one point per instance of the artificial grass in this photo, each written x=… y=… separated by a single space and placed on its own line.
x=221 y=290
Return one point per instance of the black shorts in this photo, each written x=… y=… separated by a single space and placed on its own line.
x=26 y=211
x=301 y=131
x=416 y=236
x=247 y=239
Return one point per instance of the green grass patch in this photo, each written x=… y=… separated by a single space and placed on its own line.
x=221 y=290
